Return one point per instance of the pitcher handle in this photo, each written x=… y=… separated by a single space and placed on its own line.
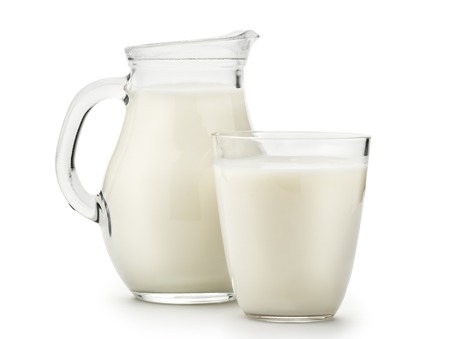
x=77 y=197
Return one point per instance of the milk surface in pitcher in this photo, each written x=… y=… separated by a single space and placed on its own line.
x=164 y=232
x=299 y=218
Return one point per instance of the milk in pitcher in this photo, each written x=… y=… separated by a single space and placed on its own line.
x=164 y=233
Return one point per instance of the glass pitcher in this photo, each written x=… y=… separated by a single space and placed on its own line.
x=157 y=209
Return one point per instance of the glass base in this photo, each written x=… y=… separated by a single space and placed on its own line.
x=290 y=319
x=185 y=298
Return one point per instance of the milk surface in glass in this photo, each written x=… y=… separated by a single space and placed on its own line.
x=164 y=234
x=290 y=228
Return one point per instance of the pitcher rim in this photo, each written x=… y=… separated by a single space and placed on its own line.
x=150 y=51
x=235 y=35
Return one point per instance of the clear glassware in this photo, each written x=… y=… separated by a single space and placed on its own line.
x=290 y=206
x=157 y=208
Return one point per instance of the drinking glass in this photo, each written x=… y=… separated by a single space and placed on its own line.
x=290 y=206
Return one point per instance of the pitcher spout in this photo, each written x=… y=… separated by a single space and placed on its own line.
x=233 y=46
x=239 y=42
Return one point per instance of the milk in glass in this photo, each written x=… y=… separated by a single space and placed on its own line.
x=290 y=228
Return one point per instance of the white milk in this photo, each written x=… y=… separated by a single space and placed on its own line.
x=159 y=187
x=290 y=230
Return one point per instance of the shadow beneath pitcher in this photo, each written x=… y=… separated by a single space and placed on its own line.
x=185 y=298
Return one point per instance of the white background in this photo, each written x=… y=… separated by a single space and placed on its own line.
x=376 y=67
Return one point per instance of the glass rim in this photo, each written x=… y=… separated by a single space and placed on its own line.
x=290 y=135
